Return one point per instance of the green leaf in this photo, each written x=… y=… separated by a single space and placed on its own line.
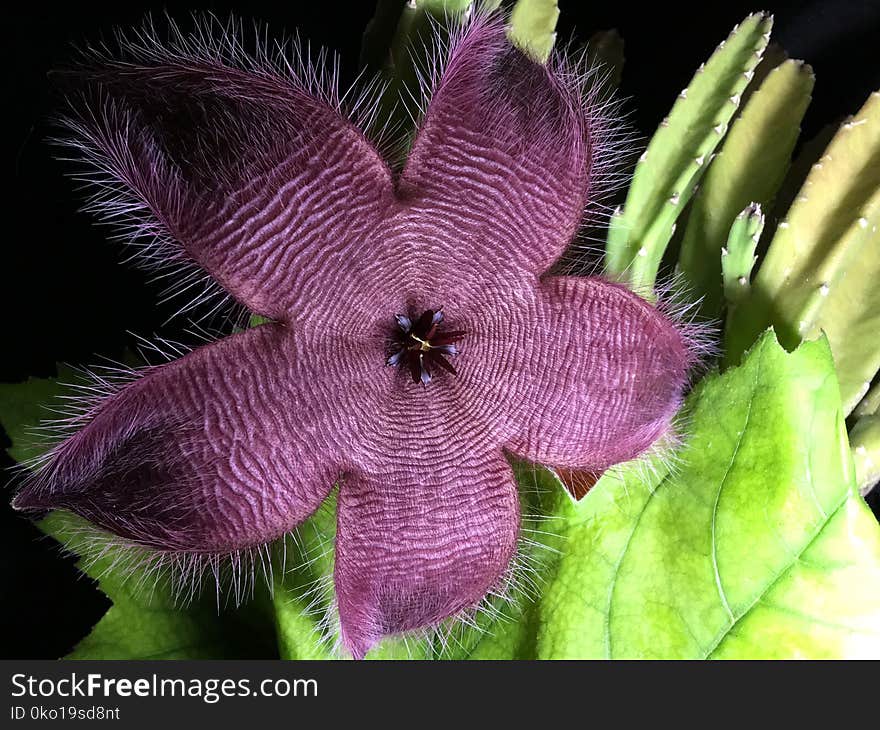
x=679 y=153
x=533 y=27
x=715 y=559
x=147 y=619
x=25 y=405
x=821 y=270
x=302 y=594
x=749 y=168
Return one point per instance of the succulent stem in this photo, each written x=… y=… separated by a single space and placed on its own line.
x=678 y=155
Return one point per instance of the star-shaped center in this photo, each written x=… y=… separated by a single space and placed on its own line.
x=421 y=342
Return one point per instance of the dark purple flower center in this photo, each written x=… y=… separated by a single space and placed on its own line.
x=421 y=344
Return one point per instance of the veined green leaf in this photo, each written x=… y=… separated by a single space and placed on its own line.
x=153 y=619
x=715 y=559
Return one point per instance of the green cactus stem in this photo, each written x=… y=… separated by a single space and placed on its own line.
x=864 y=439
x=411 y=45
x=412 y=28
x=533 y=27
x=774 y=56
x=678 y=155
x=750 y=166
x=738 y=256
x=870 y=404
x=379 y=33
x=823 y=264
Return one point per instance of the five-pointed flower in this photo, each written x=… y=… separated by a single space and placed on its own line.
x=358 y=380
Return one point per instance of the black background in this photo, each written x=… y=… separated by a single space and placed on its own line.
x=66 y=298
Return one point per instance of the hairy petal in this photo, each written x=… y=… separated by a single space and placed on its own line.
x=415 y=545
x=503 y=152
x=247 y=170
x=228 y=447
x=603 y=375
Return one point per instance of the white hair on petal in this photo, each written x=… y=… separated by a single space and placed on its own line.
x=610 y=136
x=115 y=185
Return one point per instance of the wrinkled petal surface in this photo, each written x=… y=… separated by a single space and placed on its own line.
x=503 y=154
x=228 y=447
x=258 y=180
x=417 y=545
x=602 y=375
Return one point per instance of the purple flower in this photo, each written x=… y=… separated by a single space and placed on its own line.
x=416 y=337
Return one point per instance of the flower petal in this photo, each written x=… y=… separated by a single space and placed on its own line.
x=248 y=171
x=228 y=447
x=602 y=376
x=504 y=153
x=419 y=542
